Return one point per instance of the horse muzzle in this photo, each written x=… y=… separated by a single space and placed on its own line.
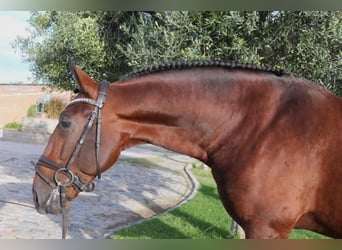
x=49 y=196
x=48 y=203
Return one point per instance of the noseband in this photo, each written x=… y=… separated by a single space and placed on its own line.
x=58 y=185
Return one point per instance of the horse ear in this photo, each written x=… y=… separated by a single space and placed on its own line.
x=71 y=65
x=85 y=82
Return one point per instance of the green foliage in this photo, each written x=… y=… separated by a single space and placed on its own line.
x=54 y=37
x=13 y=125
x=54 y=108
x=108 y=44
x=169 y=36
x=31 y=112
x=307 y=44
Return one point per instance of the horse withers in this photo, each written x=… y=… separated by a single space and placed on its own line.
x=272 y=141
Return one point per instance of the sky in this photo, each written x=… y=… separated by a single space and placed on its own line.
x=12 y=69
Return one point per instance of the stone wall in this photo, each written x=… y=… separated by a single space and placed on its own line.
x=35 y=130
x=22 y=137
x=38 y=125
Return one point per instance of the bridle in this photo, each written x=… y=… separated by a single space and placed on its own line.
x=58 y=184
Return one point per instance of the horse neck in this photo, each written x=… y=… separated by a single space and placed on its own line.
x=157 y=113
x=181 y=114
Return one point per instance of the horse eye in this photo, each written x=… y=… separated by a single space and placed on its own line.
x=65 y=122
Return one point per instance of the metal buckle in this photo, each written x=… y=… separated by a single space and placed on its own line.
x=66 y=172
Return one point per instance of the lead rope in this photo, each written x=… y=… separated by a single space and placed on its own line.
x=61 y=187
x=65 y=211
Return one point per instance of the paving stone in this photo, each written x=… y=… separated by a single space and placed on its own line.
x=144 y=182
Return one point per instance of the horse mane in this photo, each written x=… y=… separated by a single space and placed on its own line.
x=177 y=65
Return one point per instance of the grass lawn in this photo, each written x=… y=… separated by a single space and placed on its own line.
x=201 y=218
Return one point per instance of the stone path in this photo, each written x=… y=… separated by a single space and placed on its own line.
x=144 y=182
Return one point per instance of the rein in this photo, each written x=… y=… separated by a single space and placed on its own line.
x=58 y=185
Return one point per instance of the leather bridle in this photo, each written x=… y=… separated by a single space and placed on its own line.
x=59 y=184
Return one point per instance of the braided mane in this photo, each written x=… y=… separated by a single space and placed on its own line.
x=197 y=64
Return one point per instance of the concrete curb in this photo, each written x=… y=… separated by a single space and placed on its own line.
x=34 y=131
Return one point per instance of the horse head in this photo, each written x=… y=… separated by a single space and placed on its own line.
x=79 y=149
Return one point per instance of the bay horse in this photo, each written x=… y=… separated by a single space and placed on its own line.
x=273 y=141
